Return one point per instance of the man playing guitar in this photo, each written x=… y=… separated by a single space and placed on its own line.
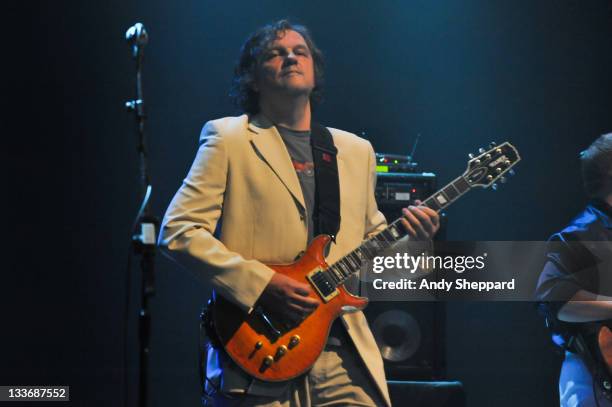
x=251 y=199
x=576 y=288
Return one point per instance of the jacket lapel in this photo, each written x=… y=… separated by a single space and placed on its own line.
x=270 y=146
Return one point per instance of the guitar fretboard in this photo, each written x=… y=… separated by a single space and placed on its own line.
x=341 y=270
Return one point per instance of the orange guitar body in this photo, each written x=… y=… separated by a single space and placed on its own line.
x=257 y=349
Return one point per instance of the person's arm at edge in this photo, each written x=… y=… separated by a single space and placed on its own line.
x=586 y=306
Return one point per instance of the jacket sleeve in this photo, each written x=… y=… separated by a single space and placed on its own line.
x=570 y=267
x=375 y=221
x=187 y=231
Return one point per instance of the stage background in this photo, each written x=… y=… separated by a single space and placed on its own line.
x=460 y=73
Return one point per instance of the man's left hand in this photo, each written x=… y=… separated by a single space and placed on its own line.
x=420 y=222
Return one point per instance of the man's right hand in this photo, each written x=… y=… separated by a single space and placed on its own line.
x=288 y=298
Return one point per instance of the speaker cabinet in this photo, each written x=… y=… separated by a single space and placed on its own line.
x=410 y=336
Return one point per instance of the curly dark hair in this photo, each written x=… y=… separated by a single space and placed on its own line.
x=251 y=54
x=597 y=165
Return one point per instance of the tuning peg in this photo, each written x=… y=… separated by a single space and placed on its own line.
x=511 y=172
x=470 y=156
x=494 y=187
x=492 y=144
x=481 y=150
x=503 y=180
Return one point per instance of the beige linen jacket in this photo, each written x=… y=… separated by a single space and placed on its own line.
x=242 y=185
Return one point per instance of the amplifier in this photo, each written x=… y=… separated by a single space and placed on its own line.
x=394 y=163
x=396 y=190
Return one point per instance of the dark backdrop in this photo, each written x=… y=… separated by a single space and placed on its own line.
x=460 y=73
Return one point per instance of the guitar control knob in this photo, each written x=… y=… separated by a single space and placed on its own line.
x=258 y=345
x=498 y=170
x=477 y=162
x=281 y=351
x=488 y=156
x=498 y=150
x=489 y=177
x=267 y=361
x=294 y=341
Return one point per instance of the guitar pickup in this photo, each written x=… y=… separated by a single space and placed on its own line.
x=322 y=284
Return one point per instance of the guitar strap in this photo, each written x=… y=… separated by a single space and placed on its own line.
x=326 y=217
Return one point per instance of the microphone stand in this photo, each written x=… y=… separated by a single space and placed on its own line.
x=145 y=225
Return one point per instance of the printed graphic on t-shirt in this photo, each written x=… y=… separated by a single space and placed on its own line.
x=304 y=168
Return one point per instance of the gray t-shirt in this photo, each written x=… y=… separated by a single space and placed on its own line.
x=300 y=151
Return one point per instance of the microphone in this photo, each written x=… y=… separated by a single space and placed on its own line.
x=137 y=38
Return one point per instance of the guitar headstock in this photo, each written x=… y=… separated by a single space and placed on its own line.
x=491 y=165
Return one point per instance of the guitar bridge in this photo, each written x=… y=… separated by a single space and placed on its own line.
x=323 y=284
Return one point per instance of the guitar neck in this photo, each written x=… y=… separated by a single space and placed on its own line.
x=342 y=269
x=447 y=195
x=482 y=171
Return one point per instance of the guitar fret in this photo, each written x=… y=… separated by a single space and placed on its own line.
x=353 y=255
x=461 y=184
x=341 y=271
x=352 y=262
x=431 y=203
x=380 y=242
x=336 y=274
x=369 y=254
x=388 y=235
x=359 y=253
x=441 y=199
x=380 y=238
x=348 y=265
x=384 y=235
x=348 y=262
x=344 y=268
x=395 y=231
x=451 y=192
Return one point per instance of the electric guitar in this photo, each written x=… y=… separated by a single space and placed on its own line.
x=273 y=350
